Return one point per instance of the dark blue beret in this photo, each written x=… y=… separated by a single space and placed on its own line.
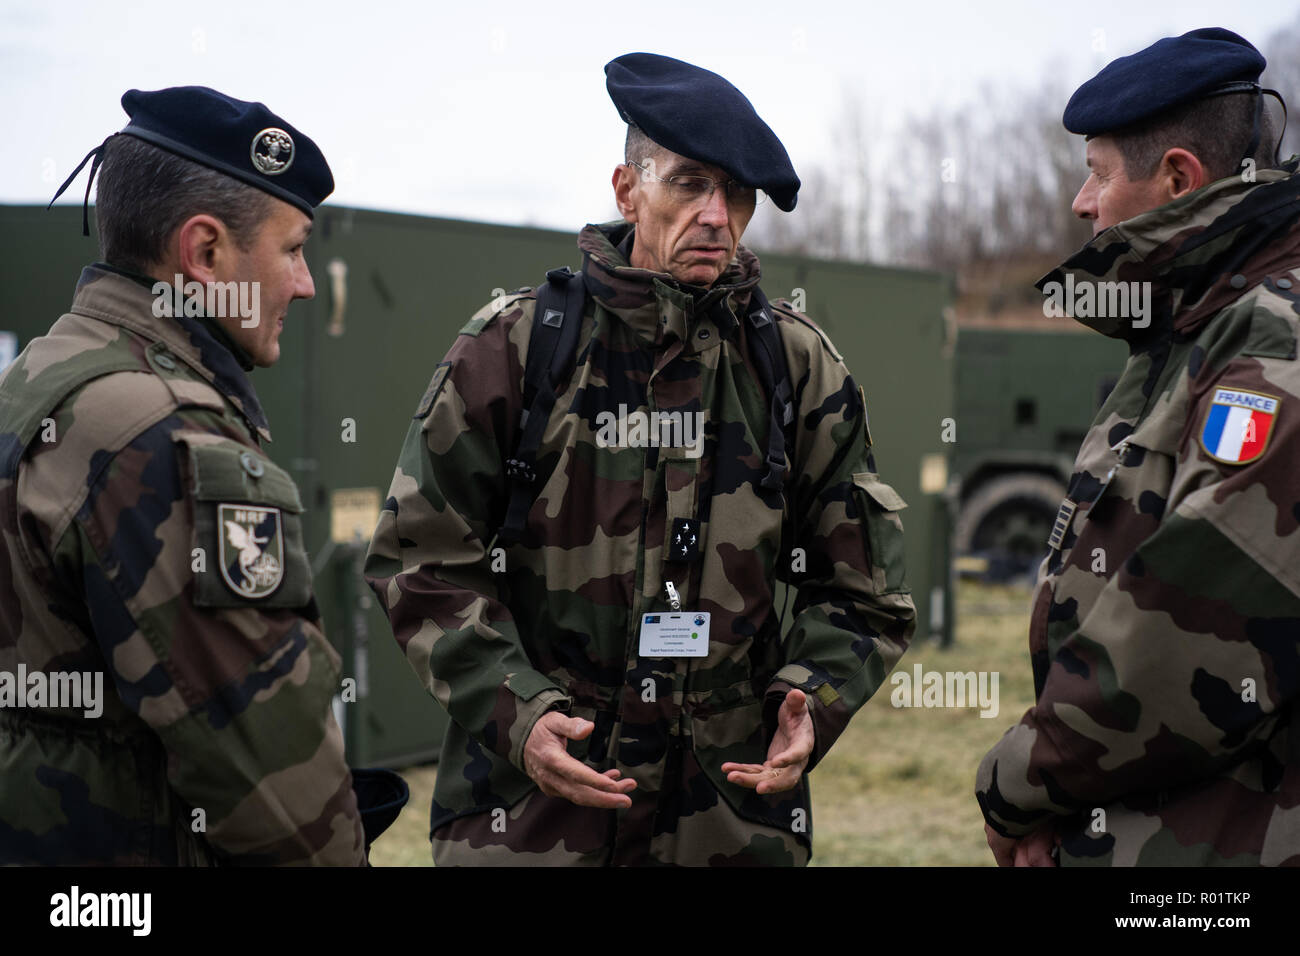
x=381 y=795
x=241 y=139
x=1168 y=73
x=698 y=114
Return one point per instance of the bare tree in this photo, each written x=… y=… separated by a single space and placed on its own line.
x=982 y=192
x=1283 y=74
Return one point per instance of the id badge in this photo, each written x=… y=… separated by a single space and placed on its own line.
x=675 y=634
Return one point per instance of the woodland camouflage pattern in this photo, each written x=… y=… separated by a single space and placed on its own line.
x=1177 y=587
x=559 y=628
x=212 y=701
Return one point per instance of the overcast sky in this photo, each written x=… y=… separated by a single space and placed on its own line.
x=497 y=111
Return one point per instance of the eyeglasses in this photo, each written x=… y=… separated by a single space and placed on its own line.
x=698 y=190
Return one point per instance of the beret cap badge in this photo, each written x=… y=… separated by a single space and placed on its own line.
x=272 y=151
x=205 y=126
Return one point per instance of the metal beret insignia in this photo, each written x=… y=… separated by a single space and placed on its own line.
x=272 y=151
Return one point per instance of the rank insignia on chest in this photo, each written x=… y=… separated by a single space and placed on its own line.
x=252 y=549
x=1237 y=425
x=684 y=544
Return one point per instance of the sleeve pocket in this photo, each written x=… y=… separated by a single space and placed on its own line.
x=247 y=529
x=880 y=506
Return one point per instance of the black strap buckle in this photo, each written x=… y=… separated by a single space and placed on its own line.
x=774 y=480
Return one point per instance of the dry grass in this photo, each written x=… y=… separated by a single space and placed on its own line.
x=898 y=788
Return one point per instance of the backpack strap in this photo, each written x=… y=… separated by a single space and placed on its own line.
x=552 y=348
x=557 y=320
x=769 y=359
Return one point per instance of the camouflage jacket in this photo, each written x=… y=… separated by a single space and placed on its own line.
x=130 y=463
x=501 y=637
x=1165 y=630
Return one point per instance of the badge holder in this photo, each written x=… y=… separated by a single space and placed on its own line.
x=674 y=633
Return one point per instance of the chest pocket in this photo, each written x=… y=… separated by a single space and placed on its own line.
x=247 y=530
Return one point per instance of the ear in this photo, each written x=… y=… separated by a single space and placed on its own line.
x=201 y=243
x=625 y=186
x=1181 y=172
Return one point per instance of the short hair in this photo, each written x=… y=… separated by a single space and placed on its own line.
x=1216 y=130
x=639 y=147
x=145 y=193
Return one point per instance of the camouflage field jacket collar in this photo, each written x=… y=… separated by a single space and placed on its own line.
x=1186 y=260
x=654 y=304
x=127 y=300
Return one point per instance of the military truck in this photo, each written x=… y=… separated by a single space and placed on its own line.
x=392 y=291
x=1025 y=399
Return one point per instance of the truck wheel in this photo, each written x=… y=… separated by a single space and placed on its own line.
x=1007 y=521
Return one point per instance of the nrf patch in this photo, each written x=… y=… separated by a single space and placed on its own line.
x=1237 y=425
x=252 y=549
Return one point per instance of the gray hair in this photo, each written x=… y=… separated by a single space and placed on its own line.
x=1216 y=130
x=639 y=147
x=145 y=193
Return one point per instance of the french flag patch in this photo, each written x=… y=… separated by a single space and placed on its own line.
x=1237 y=425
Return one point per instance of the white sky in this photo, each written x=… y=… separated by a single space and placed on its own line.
x=497 y=111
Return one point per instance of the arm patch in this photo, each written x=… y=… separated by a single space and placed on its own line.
x=435 y=386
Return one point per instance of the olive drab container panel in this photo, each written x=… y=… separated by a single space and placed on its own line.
x=392 y=291
x=1024 y=399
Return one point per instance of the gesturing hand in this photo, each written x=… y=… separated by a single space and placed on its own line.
x=1032 y=849
x=788 y=754
x=1035 y=849
x=559 y=775
x=1004 y=848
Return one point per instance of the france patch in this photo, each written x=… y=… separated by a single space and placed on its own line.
x=1237 y=425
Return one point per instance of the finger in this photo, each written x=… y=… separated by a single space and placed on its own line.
x=776 y=784
x=575 y=771
x=797 y=753
x=575 y=728
x=1000 y=846
x=794 y=706
x=590 y=797
x=1039 y=851
x=746 y=775
x=765 y=779
x=1022 y=853
x=743 y=767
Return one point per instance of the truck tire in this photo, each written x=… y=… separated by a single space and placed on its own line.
x=1007 y=521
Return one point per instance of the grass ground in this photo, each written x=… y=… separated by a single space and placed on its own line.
x=898 y=787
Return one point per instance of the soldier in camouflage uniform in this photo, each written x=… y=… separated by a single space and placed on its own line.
x=1165 y=629
x=145 y=535
x=568 y=745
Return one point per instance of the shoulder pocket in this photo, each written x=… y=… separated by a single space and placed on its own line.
x=880 y=505
x=248 y=529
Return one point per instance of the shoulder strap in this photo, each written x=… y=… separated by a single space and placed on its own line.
x=25 y=404
x=769 y=359
x=552 y=347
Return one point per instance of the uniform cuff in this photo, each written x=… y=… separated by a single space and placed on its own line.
x=775 y=696
x=530 y=711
